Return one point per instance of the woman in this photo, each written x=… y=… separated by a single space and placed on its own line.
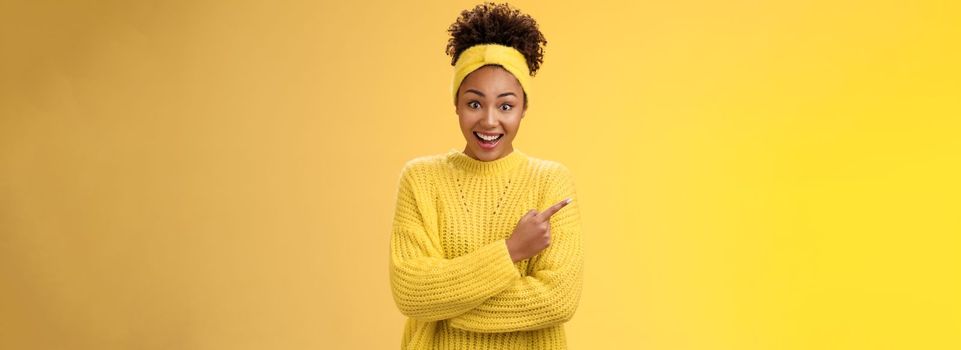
x=472 y=265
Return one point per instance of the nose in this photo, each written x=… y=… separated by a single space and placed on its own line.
x=490 y=120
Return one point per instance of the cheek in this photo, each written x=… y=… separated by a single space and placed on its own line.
x=515 y=122
x=467 y=119
x=466 y=127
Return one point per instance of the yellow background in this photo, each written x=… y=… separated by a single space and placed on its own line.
x=221 y=175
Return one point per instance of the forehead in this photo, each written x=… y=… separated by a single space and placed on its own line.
x=491 y=78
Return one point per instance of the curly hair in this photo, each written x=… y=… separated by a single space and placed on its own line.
x=490 y=23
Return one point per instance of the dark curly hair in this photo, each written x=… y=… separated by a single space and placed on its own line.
x=490 y=23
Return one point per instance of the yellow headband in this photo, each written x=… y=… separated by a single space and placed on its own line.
x=483 y=54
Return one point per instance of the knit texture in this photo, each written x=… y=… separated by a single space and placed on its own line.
x=450 y=271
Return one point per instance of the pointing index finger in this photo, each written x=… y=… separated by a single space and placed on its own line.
x=546 y=214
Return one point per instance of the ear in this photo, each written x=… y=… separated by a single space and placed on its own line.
x=525 y=104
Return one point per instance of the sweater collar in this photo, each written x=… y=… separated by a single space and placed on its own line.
x=462 y=161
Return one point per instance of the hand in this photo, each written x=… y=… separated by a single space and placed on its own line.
x=533 y=232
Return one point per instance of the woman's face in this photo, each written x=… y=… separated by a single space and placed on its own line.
x=490 y=101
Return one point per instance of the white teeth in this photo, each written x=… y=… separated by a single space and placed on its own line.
x=488 y=138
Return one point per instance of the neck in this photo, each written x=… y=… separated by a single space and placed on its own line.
x=465 y=162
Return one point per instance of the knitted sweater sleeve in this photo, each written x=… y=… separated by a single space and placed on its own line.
x=427 y=286
x=549 y=295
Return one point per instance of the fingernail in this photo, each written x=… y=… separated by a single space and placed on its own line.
x=569 y=200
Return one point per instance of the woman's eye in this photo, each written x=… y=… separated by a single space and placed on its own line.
x=506 y=107
x=473 y=104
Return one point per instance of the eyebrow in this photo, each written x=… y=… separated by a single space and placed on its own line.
x=482 y=95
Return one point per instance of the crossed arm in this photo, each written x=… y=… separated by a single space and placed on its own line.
x=483 y=291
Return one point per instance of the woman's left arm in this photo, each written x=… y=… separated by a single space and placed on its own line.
x=551 y=293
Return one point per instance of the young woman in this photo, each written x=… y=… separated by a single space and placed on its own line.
x=486 y=249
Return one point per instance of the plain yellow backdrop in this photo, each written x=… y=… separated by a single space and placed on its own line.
x=222 y=174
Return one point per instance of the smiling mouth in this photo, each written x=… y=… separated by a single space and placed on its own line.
x=488 y=138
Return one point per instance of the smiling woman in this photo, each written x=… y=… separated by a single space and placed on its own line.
x=486 y=249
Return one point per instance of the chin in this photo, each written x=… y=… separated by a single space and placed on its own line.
x=489 y=154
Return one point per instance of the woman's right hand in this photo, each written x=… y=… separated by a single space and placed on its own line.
x=533 y=232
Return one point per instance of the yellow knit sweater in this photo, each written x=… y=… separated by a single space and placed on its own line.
x=450 y=270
